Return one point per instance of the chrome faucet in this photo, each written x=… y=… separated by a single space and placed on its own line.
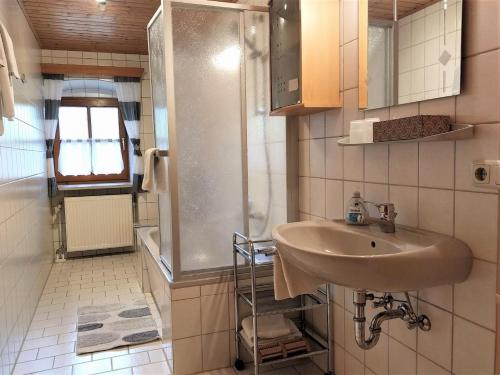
x=387 y=212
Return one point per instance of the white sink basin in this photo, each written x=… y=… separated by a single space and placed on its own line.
x=362 y=257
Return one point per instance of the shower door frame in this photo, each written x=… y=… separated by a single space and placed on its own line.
x=165 y=10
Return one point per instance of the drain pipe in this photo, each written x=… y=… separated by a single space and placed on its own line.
x=375 y=329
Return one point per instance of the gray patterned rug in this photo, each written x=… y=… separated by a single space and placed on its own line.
x=109 y=326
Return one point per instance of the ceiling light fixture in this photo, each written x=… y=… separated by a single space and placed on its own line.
x=101 y=4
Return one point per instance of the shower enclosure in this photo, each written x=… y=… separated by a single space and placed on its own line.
x=209 y=67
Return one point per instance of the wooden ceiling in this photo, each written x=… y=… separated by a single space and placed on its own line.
x=383 y=9
x=80 y=25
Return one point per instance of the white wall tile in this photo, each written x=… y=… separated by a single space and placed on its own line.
x=187 y=317
x=476 y=223
x=334 y=155
x=334 y=199
x=403 y=164
x=377 y=358
x=473 y=349
x=317 y=125
x=377 y=163
x=304 y=194
x=353 y=366
x=484 y=145
x=354 y=163
x=436 y=161
x=405 y=199
x=436 y=210
x=402 y=360
x=318 y=197
x=436 y=344
x=317 y=157
x=475 y=297
x=426 y=367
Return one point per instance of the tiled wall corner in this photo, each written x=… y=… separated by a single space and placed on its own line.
x=431 y=187
x=202 y=319
x=25 y=237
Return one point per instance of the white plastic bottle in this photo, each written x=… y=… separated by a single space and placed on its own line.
x=356 y=213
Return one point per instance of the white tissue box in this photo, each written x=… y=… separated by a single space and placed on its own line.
x=361 y=131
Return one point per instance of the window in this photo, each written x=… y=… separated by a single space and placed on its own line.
x=91 y=144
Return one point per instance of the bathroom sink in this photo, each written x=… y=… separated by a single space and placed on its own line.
x=362 y=257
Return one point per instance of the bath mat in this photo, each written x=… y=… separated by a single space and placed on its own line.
x=104 y=327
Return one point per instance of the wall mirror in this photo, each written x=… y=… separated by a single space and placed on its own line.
x=410 y=50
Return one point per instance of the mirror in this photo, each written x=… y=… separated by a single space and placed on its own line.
x=410 y=50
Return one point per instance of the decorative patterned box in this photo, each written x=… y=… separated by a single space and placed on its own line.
x=410 y=128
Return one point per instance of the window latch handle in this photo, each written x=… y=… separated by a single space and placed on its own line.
x=123 y=144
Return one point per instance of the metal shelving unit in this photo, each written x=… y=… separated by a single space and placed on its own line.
x=260 y=298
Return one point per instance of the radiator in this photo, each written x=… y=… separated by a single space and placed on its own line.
x=98 y=222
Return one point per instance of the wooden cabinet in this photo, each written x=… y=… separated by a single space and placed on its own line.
x=305 y=56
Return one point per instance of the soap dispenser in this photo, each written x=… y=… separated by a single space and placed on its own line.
x=356 y=213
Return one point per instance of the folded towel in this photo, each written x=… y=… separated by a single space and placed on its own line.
x=8 y=47
x=295 y=334
x=291 y=281
x=155 y=172
x=6 y=89
x=268 y=326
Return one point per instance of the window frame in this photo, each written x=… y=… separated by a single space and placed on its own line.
x=93 y=178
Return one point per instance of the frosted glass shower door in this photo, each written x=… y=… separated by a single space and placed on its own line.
x=208 y=126
x=160 y=115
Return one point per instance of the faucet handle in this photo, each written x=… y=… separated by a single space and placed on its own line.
x=387 y=211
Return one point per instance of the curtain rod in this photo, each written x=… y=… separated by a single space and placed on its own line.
x=92 y=70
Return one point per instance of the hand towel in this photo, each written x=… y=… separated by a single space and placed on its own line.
x=291 y=281
x=268 y=326
x=155 y=172
x=6 y=89
x=8 y=47
x=295 y=334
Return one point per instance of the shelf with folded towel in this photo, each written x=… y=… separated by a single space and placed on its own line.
x=262 y=253
x=267 y=305
x=317 y=346
x=457 y=132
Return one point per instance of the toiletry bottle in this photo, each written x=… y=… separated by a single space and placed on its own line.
x=356 y=212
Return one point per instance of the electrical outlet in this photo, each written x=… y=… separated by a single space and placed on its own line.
x=481 y=174
x=486 y=173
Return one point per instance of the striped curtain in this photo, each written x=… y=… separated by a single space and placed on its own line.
x=128 y=91
x=52 y=92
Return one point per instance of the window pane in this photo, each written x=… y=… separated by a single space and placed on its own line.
x=75 y=158
x=107 y=157
x=73 y=123
x=104 y=123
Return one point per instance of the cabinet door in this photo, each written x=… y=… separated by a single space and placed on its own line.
x=285 y=53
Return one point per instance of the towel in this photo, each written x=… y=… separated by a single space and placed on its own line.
x=268 y=326
x=6 y=89
x=294 y=334
x=291 y=281
x=155 y=172
x=8 y=47
x=1 y=120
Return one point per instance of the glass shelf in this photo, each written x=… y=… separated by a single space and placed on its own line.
x=458 y=131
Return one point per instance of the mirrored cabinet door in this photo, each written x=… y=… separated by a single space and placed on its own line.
x=409 y=51
x=305 y=56
x=285 y=53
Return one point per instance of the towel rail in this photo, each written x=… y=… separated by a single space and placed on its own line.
x=161 y=153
